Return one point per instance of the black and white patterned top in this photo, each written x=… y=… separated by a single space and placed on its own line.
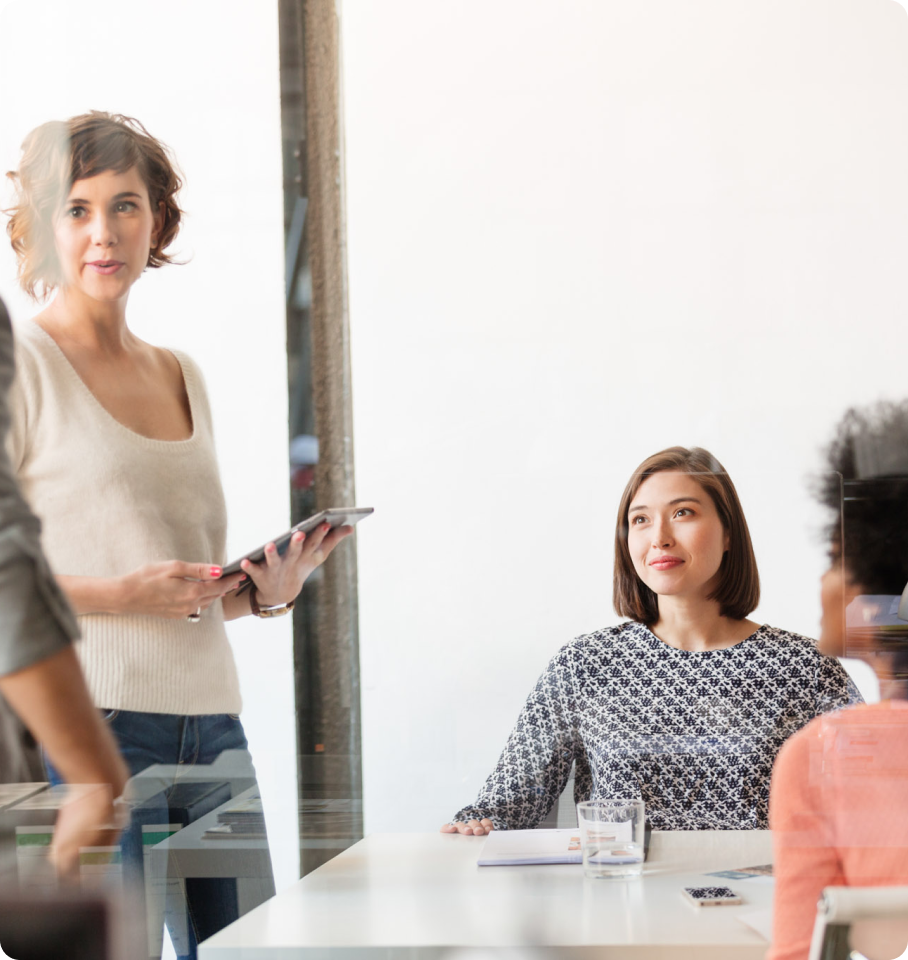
x=694 y=734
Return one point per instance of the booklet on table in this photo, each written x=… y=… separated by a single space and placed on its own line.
x=508 y=848
x=761 y=872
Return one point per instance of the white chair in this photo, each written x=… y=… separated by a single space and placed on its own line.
x=868 y=921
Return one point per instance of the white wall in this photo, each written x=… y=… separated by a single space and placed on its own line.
x=580 y=232
x=204 y=77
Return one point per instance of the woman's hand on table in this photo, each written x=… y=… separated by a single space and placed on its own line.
x=279 y=579
x=472 y=828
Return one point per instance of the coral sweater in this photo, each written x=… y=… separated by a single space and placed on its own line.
x=839 y=814
x=110 y=501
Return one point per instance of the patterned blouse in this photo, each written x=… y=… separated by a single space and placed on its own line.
x=694 y=734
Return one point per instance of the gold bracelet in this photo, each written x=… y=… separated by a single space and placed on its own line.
x=265 y=612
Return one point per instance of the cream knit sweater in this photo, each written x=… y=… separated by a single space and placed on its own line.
x=111 y=501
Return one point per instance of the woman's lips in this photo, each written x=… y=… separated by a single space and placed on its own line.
x=665 y=563
x=106 y=266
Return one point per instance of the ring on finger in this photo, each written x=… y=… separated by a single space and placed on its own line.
x=195 y=617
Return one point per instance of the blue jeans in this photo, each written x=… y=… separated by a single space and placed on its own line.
x=162 y=738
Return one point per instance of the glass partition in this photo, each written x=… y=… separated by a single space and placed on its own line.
x=503 y=252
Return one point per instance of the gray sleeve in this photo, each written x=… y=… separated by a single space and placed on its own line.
x=35 y=619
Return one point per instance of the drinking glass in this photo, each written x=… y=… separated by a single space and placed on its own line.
x=611 y=834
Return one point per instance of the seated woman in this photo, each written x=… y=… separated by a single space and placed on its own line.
x=688 y=704
x=838 y=809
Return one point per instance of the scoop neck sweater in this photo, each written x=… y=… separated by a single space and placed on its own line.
x=112 y=500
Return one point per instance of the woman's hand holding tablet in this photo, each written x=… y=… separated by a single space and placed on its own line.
x=334 y=517
x=278 y=578
x=278 y=570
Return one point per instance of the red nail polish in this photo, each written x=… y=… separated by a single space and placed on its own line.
x=215 y=571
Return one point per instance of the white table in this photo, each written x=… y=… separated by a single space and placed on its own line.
x=418 y=896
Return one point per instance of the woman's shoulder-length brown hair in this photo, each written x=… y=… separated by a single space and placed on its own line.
x=738 y=591
x=56 y=155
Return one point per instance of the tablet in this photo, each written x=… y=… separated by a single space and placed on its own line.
x=336 y=516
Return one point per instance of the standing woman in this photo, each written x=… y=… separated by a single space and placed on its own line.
x=686 y=705
x=113 y=446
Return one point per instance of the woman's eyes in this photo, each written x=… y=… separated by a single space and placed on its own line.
x=121 y=206
x=680 y=512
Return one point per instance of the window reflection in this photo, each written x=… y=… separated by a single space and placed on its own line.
x=194 y=854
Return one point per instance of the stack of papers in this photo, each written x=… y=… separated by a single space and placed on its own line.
x=242 y=820
x=334 y=818
x=508 y=848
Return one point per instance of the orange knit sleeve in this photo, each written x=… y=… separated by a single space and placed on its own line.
x=806 y=859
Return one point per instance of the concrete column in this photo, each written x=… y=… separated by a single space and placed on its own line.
x=337 y=768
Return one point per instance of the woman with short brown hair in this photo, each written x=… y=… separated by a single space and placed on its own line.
x=738 y=589
x=686 y=705
x=112 y=441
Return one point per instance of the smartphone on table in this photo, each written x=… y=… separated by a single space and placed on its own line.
x=710 y=896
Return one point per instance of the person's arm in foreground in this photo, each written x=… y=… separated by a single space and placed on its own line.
x=805 y=856
x=39 y=673
x=52 y=700
x=533 y=768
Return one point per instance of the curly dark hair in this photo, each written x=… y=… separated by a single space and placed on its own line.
x=867 y=491
x=56 y=155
